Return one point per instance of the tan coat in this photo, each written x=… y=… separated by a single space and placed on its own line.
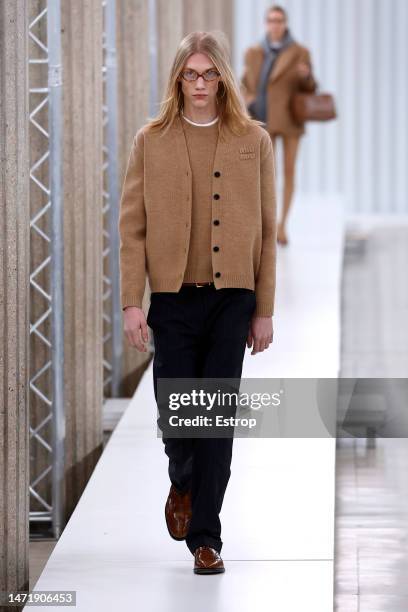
x=156 y=206
x=283 y=82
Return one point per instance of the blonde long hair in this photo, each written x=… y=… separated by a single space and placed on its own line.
x=231 y=106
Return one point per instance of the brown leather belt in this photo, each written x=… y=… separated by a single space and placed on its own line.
x=198 y=284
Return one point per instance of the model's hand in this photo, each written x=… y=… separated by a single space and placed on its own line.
x=260 y=334
x=135 y=327
x=303 y=69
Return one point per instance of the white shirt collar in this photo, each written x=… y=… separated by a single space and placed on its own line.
x=200 y=124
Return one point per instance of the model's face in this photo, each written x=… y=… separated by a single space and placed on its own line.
x=200 y=93
x=275 y=25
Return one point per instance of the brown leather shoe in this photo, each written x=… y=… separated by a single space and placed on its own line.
x=207 y=561
x=178 y=513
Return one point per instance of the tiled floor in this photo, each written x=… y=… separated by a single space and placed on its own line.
x=371 y=549
x=371 y=545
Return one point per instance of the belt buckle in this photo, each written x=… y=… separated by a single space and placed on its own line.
x=201 y=284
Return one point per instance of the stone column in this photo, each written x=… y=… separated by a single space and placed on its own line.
x=81 y=32
x=132 y=45
x=209 y=15
x=170 y=33
x=14 y=292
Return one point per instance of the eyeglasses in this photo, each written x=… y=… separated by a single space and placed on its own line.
x=192 y=75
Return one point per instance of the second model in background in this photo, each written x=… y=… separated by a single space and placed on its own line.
x=274 y=70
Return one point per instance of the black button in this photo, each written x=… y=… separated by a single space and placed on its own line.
x=216 y=196
x=216 y=248
x=216 y=222
x=218 y=274
x=217 y=174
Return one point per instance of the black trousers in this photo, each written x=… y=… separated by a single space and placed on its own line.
x=200 y=332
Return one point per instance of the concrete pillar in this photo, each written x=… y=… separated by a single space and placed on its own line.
x=209 y=15
x=81 y=32
x=170 y=33
x=132 y=44
x=14 y=292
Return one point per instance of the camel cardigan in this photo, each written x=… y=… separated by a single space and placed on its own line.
x=155 y=214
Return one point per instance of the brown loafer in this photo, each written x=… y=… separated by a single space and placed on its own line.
x=178 y=513
x=207 y=561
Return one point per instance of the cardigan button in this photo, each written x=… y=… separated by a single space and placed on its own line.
x=216 y=196
x=217 y=174
x=216 y=222
x=216 y=248
x=218 y=274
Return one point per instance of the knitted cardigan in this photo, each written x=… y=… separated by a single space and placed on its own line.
x=155 y=214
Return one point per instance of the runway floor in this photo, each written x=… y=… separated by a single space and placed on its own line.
x=278 y=512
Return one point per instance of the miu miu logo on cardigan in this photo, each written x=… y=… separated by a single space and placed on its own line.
x=246 y=152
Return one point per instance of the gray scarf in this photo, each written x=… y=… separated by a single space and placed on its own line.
x=258 y=107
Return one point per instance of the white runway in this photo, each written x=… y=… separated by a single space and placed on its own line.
x=278 y=512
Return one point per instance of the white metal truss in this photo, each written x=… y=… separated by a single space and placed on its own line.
x=47 y=422
x=112 y=319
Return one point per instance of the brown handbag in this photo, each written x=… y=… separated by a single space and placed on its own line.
x=312 y=107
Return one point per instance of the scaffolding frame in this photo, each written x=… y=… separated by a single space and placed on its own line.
x=112 y=314
x=52 y=265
